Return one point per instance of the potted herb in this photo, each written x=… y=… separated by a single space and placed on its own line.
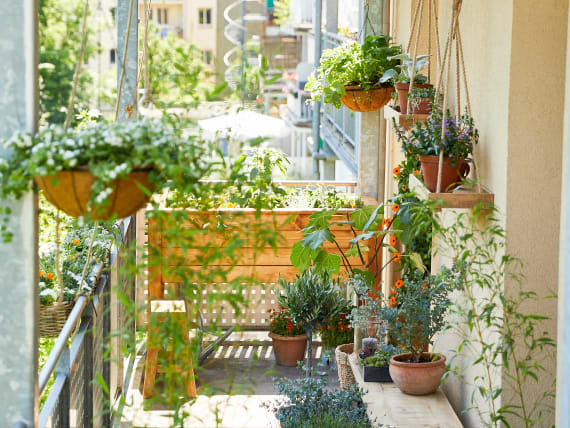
x=415 y=314
x=353 y=75
x=426 y=142
x=376 y=363
x=422 y=93
x=289 y=339
x=102 y=170
x=311 y=299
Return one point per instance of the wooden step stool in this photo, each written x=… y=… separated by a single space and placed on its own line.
x=160 y=312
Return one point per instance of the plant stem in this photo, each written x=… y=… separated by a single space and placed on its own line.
x=309 y=334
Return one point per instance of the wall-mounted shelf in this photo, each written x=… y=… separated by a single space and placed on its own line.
x=460 y=198
x=406 y=121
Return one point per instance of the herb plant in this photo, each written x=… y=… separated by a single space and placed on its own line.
x=406 y=67
x=353 y=64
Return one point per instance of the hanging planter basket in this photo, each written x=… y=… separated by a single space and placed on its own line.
x=53 y=317
x=362 y=100
x=70 y=191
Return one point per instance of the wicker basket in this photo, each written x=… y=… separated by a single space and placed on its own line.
x=345 y=375
x=53 y=317
x=358 y=99
x=70 y=191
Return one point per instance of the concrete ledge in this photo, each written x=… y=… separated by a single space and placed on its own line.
x=391 y=407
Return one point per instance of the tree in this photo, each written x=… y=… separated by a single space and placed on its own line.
x=59 y=40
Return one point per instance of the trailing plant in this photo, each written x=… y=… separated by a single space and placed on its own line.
x=426 y=139
x=307 y=404
x=311 y=299
x=500 y=336
x=353 y=64
x=281 y=323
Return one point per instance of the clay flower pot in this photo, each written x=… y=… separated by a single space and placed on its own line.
x=362 y=100
x=417 y=378
x=449 y=175
x=425 y=105
x=288 y=349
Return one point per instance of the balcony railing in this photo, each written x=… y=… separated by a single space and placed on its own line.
x=77 y=398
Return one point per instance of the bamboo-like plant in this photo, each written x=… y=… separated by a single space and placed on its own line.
x=498 y=330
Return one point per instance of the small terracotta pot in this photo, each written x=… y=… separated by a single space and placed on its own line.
x=403 y=89
x=450 y=175
x=289 y=349
x=417 y=378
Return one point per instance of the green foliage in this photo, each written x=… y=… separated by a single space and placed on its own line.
x=337 y=330
x=406 y=67
x=501 y=335
x=178 y=74
x=281 y=323
x=282 y=12
x=380 y=358
x=426 y=139
x=307 y=404
x=352 y=64
x=59 y=38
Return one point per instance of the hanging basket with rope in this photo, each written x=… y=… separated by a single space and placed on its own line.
x=358 y=99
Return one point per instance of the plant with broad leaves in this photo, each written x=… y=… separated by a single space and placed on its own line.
x=407 y=69
x=500 y=335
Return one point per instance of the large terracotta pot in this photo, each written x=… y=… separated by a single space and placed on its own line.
x=70 y=191
x=424 y=106
x=449 y=175
x=417 y=378
x=361 y=100
x=289 y=349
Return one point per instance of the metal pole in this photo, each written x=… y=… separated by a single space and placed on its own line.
x=128 y=93
x=317 y=105
x=242 y=42
x=18 y=259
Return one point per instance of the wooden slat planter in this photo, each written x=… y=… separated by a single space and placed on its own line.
x=265 y=266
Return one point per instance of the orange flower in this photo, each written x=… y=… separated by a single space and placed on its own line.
x=42 y=273
x=416 y=171
x=393 y=240
x=404 y=187
x=396 y=170
x=49 y=275
x=393 y=301
x=399 y=283
x=394 y=291
x=76 y=242
x=424 y=286
x=395 y=208
x=397 y=257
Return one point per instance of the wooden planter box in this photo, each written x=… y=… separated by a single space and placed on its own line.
x=265 y=266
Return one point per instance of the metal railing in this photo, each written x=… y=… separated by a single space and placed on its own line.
x=77 y=398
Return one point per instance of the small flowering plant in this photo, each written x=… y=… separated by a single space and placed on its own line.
x=282 y=324
x=337 y=329
x=426 y=139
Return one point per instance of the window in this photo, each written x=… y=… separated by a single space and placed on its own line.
x=207 y=57
x=162 y=15
x=205 y=16
x=113 y=56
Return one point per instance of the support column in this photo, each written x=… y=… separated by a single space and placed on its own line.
x=332 y=16
x=18 y=259
x=317 y=22
x=371 y=148
x=128 y=94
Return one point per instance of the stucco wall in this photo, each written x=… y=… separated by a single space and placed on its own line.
x=515 y=56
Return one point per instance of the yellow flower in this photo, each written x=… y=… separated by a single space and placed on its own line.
x=42 y=273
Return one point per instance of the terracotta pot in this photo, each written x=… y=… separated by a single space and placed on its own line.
x=425 y=104
x=450 y=175
x=360 y=100
x=417 y=378
x=289 y=349
x=70 y=191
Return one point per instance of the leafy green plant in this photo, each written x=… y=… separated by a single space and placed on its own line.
x=281 y=323
x=352 y=64
x=380 y=358
x=282 y=12
x=500 y=335
x=307 y=404
x=427 y=139
x=406 y=68
x=311 y=299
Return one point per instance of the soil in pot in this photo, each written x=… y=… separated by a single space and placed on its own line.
x=289 y=349
x=424 y=106
x=450 y=175
x=417 y=378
